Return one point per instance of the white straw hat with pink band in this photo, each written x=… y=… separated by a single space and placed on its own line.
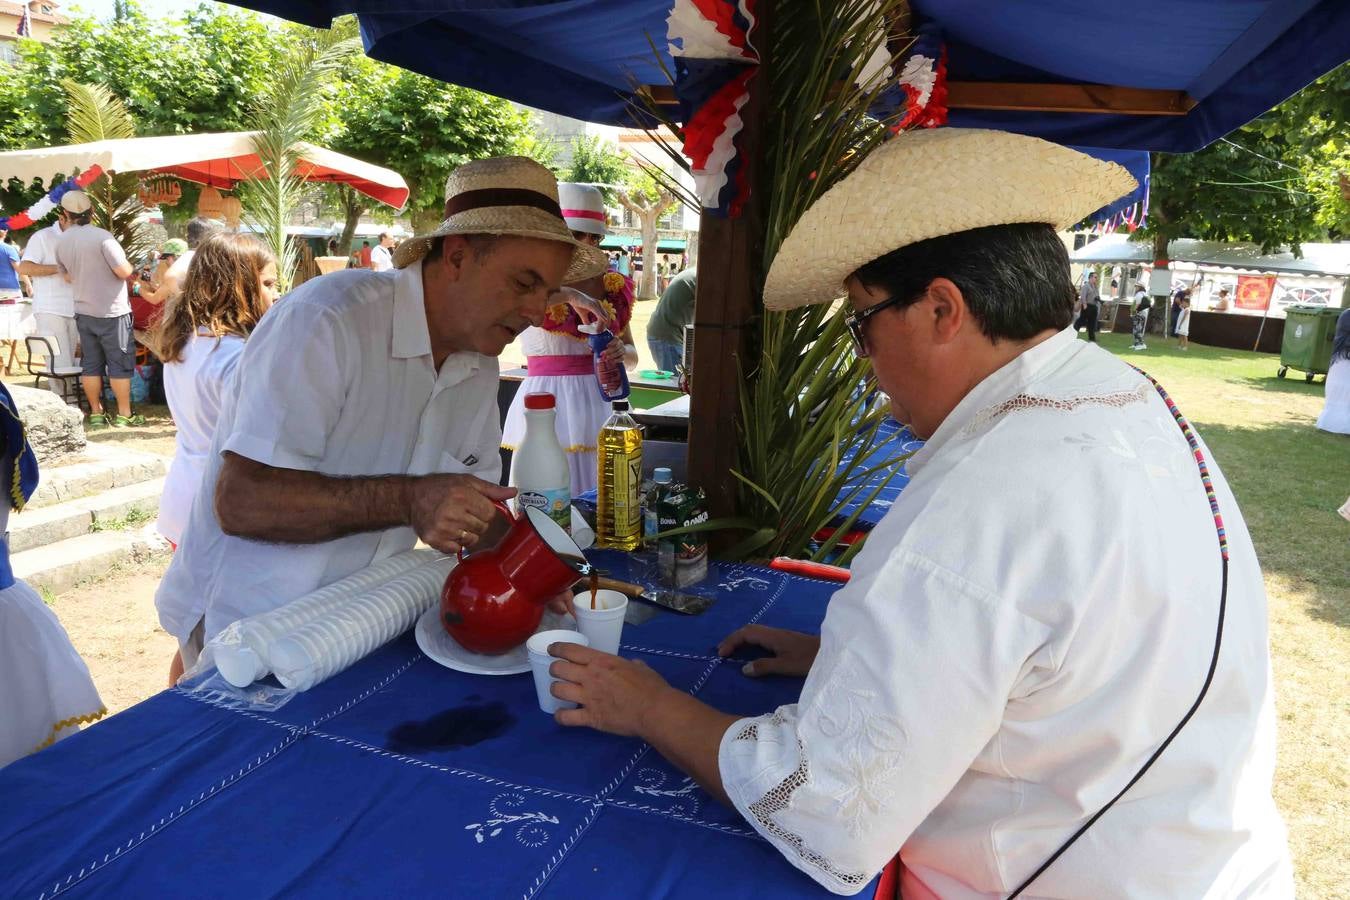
x=583 y=206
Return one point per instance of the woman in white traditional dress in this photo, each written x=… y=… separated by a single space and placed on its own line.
x=46 y=693
x=230 y=284
x=1335 y=415
x=558 y=355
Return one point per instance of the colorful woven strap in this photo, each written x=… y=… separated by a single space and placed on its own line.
x=1199 y=459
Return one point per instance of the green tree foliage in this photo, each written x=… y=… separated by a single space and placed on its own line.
x=96 y=115
x=201 y=73
x=422 y=129
x=1275 y=181
x=595 y=161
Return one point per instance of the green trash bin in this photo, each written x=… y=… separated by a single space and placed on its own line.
x=1308 y=334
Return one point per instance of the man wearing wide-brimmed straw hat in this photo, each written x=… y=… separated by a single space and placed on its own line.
x=365 y=411
x=1031 y=633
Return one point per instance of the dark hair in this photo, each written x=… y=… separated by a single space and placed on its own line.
x=1015 y=278
x=83 y=218
x=383 y=235
x=199 y=229
x=1340 y=348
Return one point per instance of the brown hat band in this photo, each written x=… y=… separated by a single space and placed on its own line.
x=487 y=197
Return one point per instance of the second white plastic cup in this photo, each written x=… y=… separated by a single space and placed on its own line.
x=540 y=660
x=603 y=626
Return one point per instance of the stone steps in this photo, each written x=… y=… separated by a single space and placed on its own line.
x=60 y=566
x=104 y=469
x=47 y=525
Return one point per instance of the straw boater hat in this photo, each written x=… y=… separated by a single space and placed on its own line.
x=582 y=207
x=929 y=183
x=506 y=195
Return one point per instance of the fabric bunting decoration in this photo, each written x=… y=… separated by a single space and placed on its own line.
x=1131 y=218
x=918 y=97
x=39 y=210
x=714 y=64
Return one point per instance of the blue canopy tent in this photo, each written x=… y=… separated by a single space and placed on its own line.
x=1149 y=75
x=1181 y=73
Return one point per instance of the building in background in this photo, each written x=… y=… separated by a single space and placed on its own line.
x=43 y=19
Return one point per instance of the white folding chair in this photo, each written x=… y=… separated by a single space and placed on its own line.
x=42 y=349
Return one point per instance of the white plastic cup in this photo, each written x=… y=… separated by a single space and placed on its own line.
x=603 y=626
x=540 y=660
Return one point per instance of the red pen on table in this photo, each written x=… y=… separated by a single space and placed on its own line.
x=810 y=569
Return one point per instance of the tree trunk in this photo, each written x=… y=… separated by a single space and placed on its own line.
x=1160 y=301
x=353 y=208
x=646 y=289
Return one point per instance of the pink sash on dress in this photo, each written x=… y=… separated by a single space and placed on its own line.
x=567 y=364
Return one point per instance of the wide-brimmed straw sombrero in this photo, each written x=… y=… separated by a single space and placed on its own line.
x=928 y=183
x=505 y=195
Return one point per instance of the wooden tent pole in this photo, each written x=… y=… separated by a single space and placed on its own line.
x=725 y=307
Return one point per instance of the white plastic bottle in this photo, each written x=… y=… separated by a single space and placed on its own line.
x=539 y=467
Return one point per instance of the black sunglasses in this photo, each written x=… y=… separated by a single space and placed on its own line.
x=858 y=319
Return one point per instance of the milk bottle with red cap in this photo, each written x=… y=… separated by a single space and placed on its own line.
x=539 y=467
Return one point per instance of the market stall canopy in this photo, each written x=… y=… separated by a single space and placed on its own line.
x=1316 y=259
x=220 y=160
x=1148 y=75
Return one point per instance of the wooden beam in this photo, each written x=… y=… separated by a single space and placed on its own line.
x=725 y=308
x=1067 y=98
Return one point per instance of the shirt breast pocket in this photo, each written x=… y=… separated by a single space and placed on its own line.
x=453 y=465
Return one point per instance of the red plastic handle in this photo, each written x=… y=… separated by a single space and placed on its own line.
x=811 y=569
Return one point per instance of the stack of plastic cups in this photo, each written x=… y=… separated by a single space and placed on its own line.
x=243 y=661
x=355 y=626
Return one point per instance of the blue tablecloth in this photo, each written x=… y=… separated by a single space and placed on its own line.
x=402 y=778
x=893 y=439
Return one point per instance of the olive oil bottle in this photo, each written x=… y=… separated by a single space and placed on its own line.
x=618 y=517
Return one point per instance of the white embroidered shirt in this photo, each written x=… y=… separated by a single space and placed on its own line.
x=1025 y=626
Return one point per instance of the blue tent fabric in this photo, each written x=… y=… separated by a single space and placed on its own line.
x=400 y=778
x=1137 y=163
x=1236 y=58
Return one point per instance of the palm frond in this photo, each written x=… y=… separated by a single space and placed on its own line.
x=287 y=115
x=94 y=114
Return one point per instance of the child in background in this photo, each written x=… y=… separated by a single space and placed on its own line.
x=46 y=693
x=1184 y=321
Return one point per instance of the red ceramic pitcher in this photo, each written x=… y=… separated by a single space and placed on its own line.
x=494 y=599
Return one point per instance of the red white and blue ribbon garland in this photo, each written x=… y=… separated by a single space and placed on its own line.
x=39 y=210
x=918 y=96
x=714 y=64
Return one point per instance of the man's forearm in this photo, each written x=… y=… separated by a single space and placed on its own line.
x=689 y=733
x=36 y=270
x=294 y=507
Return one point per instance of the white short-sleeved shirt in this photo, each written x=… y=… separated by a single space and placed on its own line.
x=1022 y=630
x=194 y=386
x=52 y=294
x=381 y=260
x=338 y=378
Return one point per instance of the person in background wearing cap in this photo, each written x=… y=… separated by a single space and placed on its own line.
x=381 y=255
x=364 y=410
x=149 y=294
x=53 y=297
x=557 y=353
x=992 y=675
x=98 y=270
x=175 y=260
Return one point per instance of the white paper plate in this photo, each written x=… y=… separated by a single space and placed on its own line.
x=441 y=647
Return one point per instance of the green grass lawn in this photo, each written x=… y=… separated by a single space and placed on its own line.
x=1289 y=479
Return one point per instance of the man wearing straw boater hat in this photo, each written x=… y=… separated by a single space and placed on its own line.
x=365 y=410
x=999 y=695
